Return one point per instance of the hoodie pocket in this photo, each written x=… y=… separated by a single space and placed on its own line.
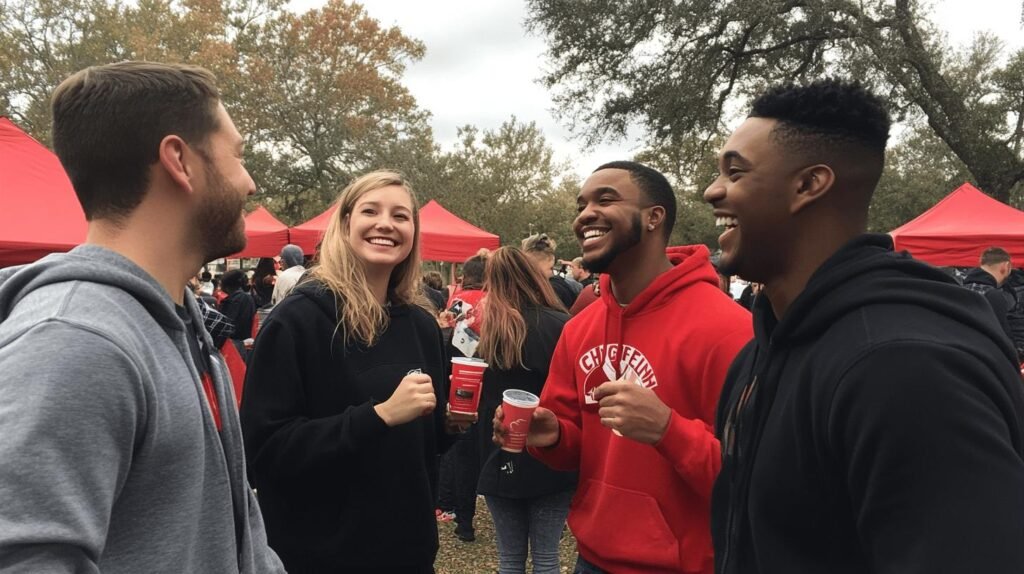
x=623 y=525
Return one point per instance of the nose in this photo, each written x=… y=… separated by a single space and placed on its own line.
x=715 y=191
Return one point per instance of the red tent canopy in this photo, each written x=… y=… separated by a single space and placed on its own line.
x=40 y=213
x=443 y=236
x=957 y=229
x=265 y=233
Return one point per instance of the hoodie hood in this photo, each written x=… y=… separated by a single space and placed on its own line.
x=93 y=264
x=691 y=264
x=867 y=271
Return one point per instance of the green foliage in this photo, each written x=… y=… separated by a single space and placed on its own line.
x=682 y=69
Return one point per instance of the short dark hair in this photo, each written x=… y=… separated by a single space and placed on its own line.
x=828 y=114
x=473 y=271
x=653 y=185
x=108 y=122
x=994 y=255
x=206 y=276
x=233 y=280
x=433 y=279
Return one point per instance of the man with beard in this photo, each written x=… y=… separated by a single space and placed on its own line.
x=121 y=445
x=875 y=422
x=631 y=393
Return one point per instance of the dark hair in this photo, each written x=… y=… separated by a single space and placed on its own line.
x=828 y=114
x=994 y=255
x=473 y=272
x=108 y=122
x=653 y=185
x=206 y=276
x=233 y=280
x=434 y=280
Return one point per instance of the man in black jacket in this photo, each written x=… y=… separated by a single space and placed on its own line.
x=874 y=423
x=988 y=279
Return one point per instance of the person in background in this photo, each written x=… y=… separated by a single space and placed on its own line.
x=263 y=279
x=988 y=278
x=580 y=273
x=633 y=383
x=206 y=282
x=292 y=261
x=876 y=421
x=522 y=320
x=121 y=446
x=433 y=289
x=541 y=250
x=344 y=409
x=238 y=306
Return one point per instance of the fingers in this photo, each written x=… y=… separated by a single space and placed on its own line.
x=419 y=378
x=611 y=388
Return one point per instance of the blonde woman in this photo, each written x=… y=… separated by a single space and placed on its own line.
x=343 y=410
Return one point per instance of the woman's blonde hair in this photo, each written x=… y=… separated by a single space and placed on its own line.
x=360 y=316
x=512 y=283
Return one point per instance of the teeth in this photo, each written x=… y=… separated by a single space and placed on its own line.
x=726 y=222
x=592 y=233
x=382 y=241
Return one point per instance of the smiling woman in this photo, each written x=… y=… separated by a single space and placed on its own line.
x=344 y=406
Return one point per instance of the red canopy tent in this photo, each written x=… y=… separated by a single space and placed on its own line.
x=957 y=229
x=40 y=213
x=266 y=235
x=443 y=236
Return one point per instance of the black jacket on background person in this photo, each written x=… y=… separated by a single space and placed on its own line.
x=340 y=491
x=566 y=294
x=1002 y=301
x=881 y=430
x=239 y=308
x=519 y=475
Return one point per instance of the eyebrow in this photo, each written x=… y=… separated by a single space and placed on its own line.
x=598 y=192
x=377 y=204
x=734 y=155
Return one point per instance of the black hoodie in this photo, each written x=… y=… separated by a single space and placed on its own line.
x=340 y=490
x=1002 y=301
x=881 y=429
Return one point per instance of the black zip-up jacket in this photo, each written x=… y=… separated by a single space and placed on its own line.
x=1002 y=301
x=880 y=429
x=519 y=475
x=340 y=490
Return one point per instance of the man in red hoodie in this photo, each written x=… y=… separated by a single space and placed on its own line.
x=634 y=381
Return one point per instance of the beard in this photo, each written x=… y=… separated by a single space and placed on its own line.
x=219 y=226
x=618 y=247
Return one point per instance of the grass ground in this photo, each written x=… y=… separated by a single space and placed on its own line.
x=481 y=556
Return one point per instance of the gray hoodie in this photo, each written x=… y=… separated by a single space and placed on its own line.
x=110 y=459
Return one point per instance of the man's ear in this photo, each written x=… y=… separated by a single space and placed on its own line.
x=655 y=218
x=813 y=183
x=177 y=159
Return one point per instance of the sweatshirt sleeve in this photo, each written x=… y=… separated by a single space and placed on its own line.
x=280 y=439
x=690 y=443
x=929 y=437
x=561 y=397
x=71 y=410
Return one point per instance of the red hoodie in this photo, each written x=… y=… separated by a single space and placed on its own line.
x=646 y=508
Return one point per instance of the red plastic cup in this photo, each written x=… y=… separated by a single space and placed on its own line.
x=517 y=407
x=467 y=376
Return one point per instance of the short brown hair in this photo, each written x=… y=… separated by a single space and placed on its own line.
x=108 y=122
x=994 y=255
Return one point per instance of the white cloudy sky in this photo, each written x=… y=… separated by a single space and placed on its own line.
x=482 y=67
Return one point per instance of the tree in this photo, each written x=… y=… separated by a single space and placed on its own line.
x=507 y=182
x=682 y=68
x=318 y=95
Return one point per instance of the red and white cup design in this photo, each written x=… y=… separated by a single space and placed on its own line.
x=467 y=376
x=517 y=407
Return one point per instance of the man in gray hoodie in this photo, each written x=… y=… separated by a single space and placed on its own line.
x=121 y=449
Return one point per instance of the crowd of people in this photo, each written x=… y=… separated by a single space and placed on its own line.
x=856 y=411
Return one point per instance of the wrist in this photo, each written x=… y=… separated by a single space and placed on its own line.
x=382 y=412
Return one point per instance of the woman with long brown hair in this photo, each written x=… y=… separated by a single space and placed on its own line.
x=522 y=320
x=343 y=409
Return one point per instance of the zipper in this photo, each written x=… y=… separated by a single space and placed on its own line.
x=734 y=438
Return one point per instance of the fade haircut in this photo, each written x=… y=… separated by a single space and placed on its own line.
x=108 y=122
x=830 y=119
x=653 y=185
x=994 y=256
